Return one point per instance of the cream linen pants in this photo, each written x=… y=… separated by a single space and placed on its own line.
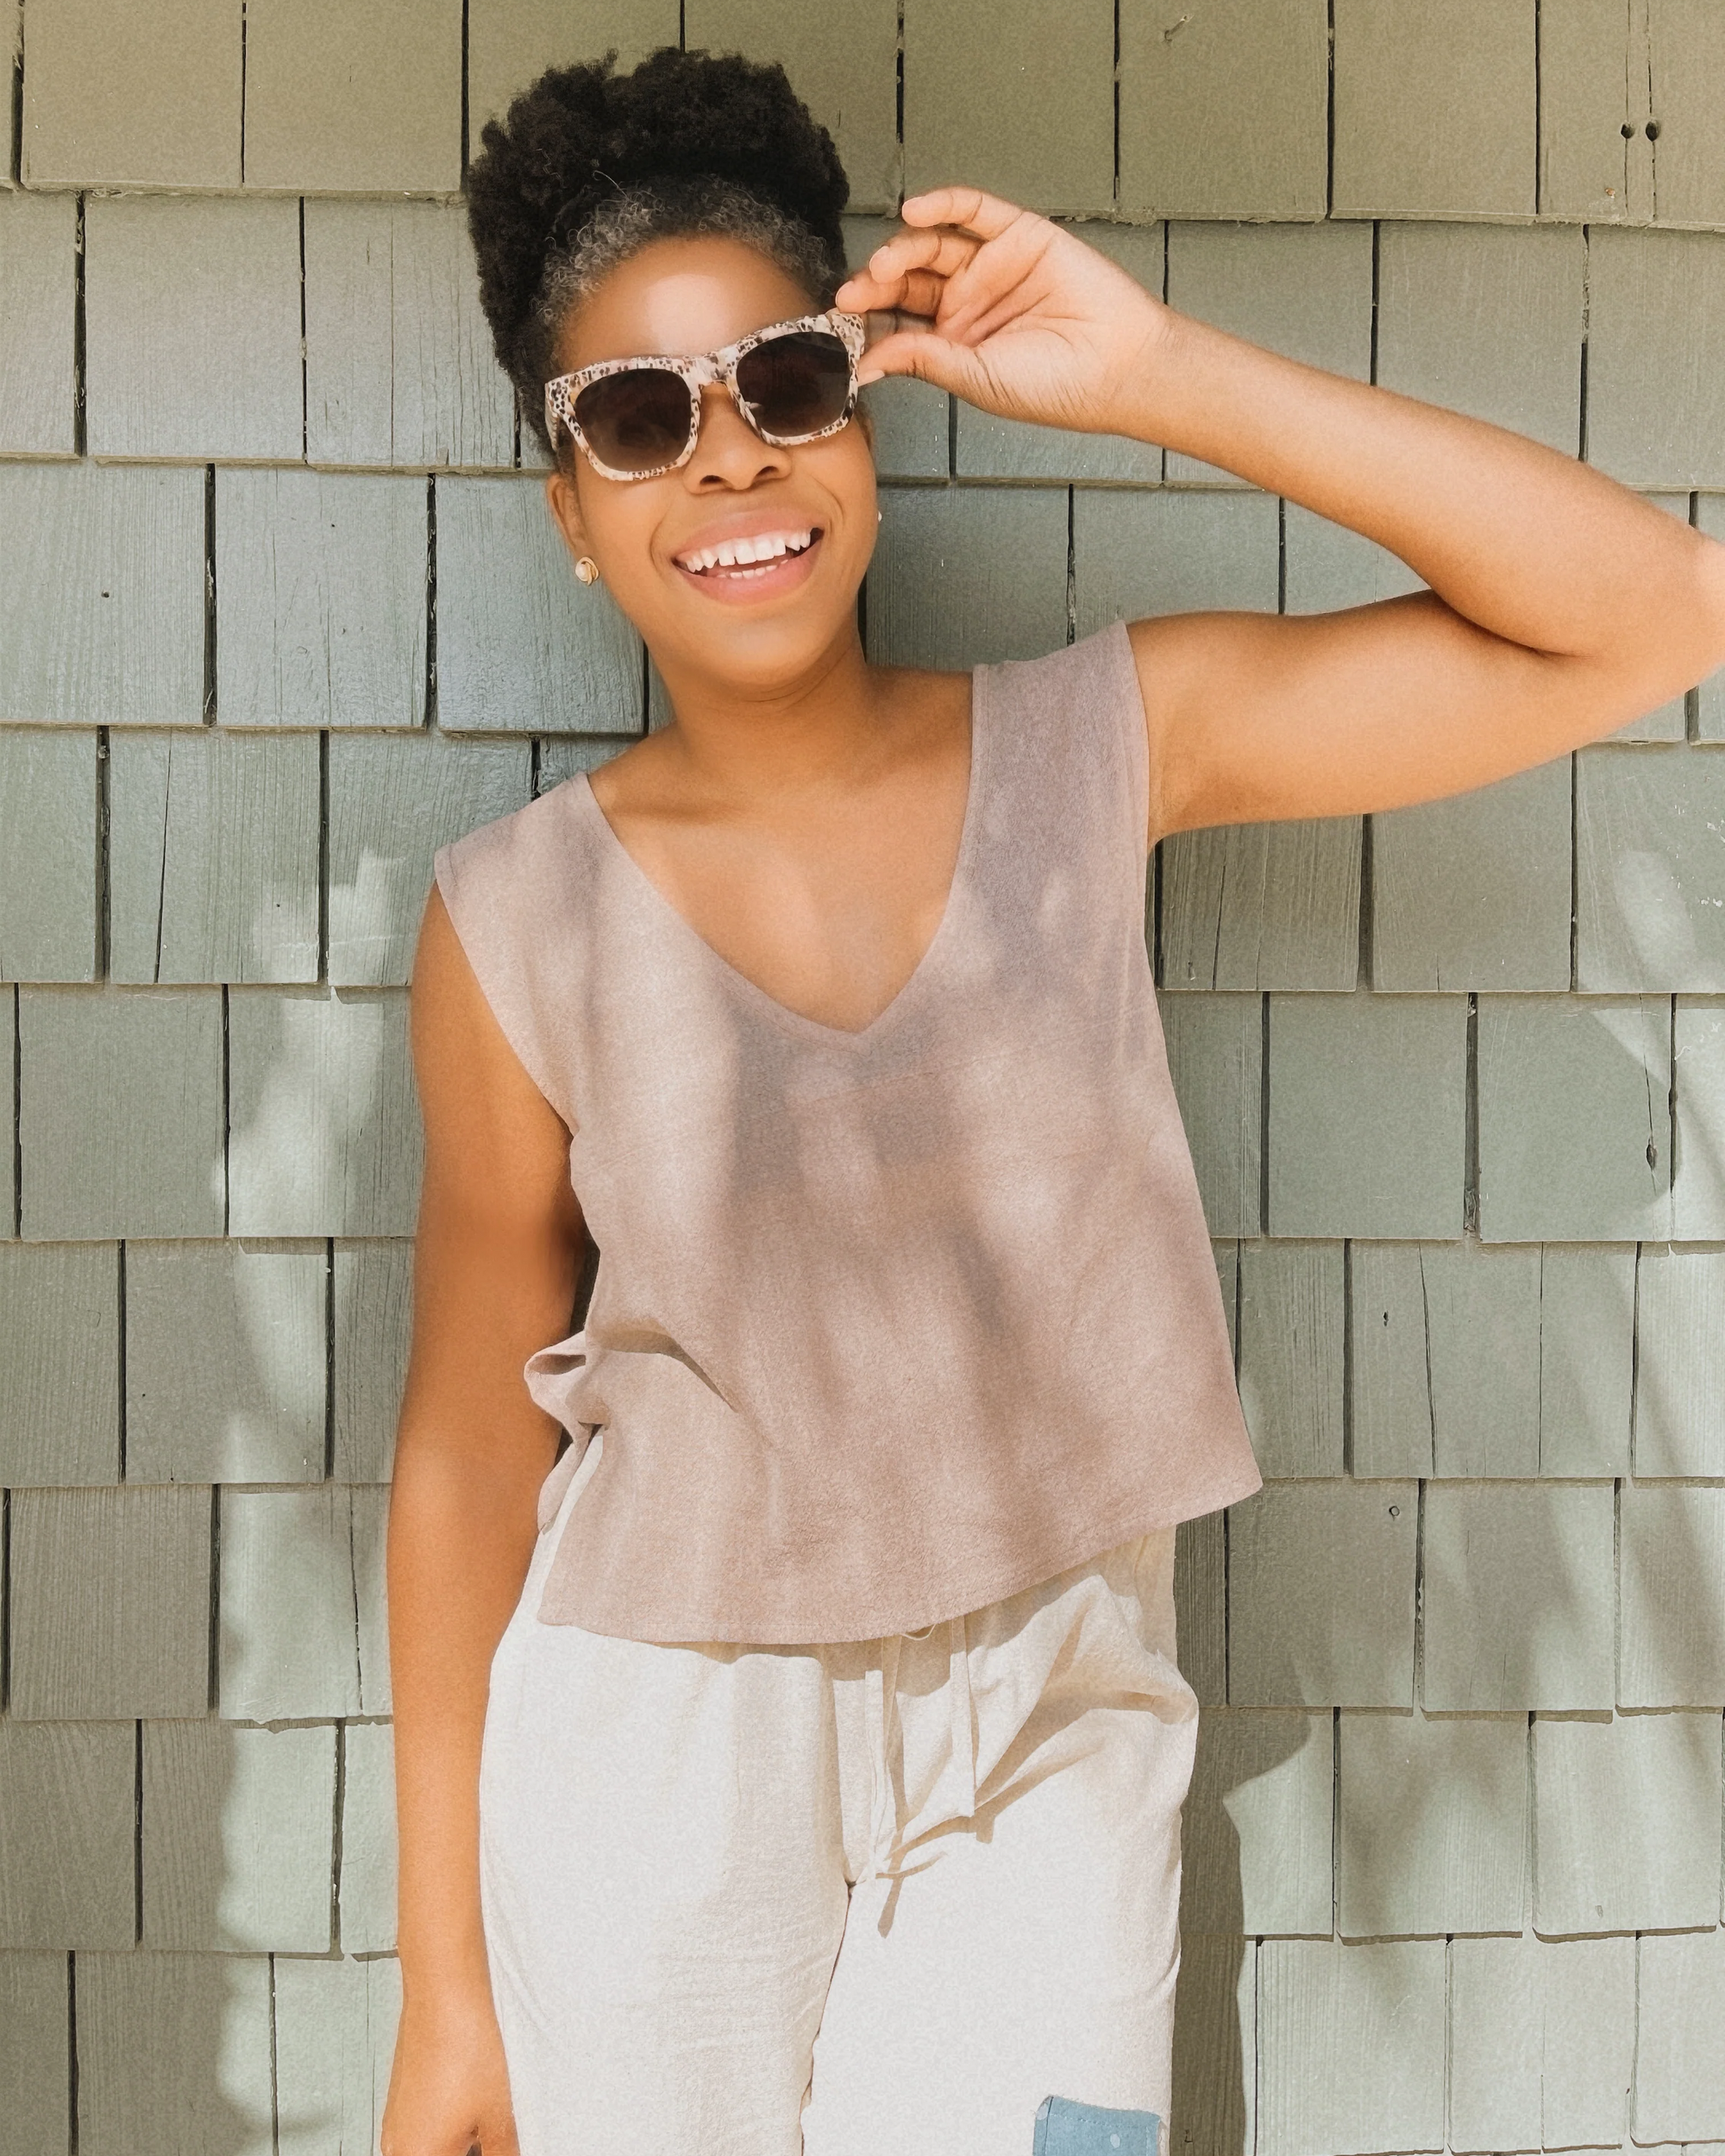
x=873 y=1899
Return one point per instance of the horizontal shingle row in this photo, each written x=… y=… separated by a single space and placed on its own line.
x=195 y=348
x=189 y=2054
x=1225 y=113
x=1304 y=2047
x=1395 y=1826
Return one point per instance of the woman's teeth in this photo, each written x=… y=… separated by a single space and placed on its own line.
x=748 y=557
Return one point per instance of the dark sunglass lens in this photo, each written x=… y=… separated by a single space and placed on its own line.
x=796 y=385
x=636 y=421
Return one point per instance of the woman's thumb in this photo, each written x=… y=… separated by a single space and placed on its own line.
x=926 y=355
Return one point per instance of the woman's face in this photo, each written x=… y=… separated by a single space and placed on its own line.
x=762 y=631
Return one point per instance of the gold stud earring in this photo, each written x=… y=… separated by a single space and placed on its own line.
x=587 y=569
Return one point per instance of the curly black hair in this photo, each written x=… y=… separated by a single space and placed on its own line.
x=685 y=142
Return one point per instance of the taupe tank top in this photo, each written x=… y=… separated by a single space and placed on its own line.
x=889 y=1324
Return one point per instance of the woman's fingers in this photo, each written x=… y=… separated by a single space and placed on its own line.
x=928 y=356
x=969 y=209
x=918 y=294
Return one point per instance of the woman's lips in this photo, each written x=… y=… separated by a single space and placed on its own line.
x=745 y=585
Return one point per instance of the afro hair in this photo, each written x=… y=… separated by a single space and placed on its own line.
x=682 y=130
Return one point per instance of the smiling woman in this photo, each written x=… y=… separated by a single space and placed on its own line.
x=792 y=1761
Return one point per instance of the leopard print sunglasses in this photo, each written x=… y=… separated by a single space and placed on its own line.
x=793 y=382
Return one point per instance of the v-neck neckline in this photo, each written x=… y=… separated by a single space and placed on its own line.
x=781 y=1014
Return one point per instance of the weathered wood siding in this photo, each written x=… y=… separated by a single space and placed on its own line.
x=280 y=611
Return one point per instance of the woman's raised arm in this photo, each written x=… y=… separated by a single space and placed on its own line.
x=1561 y=605
x=496 y=1260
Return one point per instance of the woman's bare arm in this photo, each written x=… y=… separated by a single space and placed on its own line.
x=1561 y=605
x=496 y=1260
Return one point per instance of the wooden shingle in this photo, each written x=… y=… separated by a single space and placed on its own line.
x=66 y=1856
x=1366 y=1099
x=1625 y=1830
x=1166 y=551
x=38 y=273
x=150 y=2079
x=289 y=1614
x=1680 y=1363
x=1574 y=1138
x=1595 y=160
x=1656 y=307
x=511 y=42
x=1304 y=290
x=341 y=99
x=368 y=1881
x=1291 y=1322
x=335 y=2034
x=1349 y=2047
x=1486 y=320
x=121 y=1124
x=132 y=93
x=1201 y=1600
x=320 y=598
x=1215 y=2038
x=1672 y=1590
x=843 y=64
x=1679 y=2060
x=1435 y=112
x=193 y=342
x=1016 y=112
x=100 y=595
x=48 y=854
x=1650 y=870
x=224 y=1362
x=966 y=575
x=392 y=803
x=1587 y=1355
x=1473 y=892
x=1431 y=1825
x=212 y=851
x=1697 y=1210
x=110 y=1603
x=399 y=367
x=1215 y=1058
x=369 y=1508
x=35 y=2065
x=373 y=1327
x=1262 y=905
x=985 y=447
x=1390 y=1370
x=59 y=1376
x=324 y=1131
x=910 y=418
x=1258 y=1842
x=523 y=648
x=1542 y=2042
x=238 y=1827
x=1518 y=1597
x=1320 y=1595
x=1223 y=109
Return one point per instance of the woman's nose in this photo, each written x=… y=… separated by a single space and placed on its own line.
x=728 y=451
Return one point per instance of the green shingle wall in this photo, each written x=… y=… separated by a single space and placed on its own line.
x=280 y=612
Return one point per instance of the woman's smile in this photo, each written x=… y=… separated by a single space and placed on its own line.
x=743 y=560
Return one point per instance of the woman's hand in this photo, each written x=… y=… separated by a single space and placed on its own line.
x=448 y=2089
x=1027 y=320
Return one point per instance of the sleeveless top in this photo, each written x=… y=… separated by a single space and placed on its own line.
x=886 y=1325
